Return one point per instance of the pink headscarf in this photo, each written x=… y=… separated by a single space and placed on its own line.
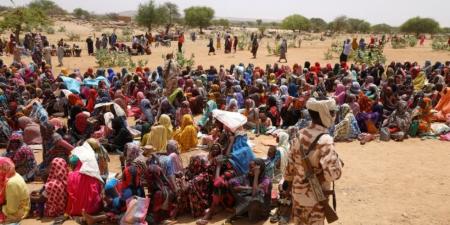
x=7 y=170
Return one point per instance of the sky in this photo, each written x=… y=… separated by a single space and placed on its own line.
x=393 y=12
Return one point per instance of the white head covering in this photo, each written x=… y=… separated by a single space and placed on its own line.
x=323 y=107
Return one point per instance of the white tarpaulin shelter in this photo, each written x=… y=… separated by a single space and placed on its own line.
x=232 y=120
x=117 y=108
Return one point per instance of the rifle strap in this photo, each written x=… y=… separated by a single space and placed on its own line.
x=334 y=198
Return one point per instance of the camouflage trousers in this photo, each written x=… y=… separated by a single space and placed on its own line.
x=308 y=215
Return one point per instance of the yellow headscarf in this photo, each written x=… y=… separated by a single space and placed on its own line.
x=186 y=135
x=419 y=81
x=159 y=134
x=65 y=71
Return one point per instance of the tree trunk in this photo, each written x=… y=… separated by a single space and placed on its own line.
x=201 y=30
x=149 y=28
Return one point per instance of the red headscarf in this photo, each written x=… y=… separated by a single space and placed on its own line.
x=75 y=100
x=81 y=122
x=90 y=104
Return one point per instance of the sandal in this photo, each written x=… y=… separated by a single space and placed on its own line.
x=274 y=219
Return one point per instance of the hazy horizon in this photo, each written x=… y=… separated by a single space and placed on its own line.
x=392 y=12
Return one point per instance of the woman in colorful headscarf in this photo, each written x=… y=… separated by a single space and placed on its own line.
x=186 y=135
x=289 y=113
x=424 y=114
x=161 y=193
x=272 y=111
x=252 y=192
x=14 y=196
x=53 y=146
x=55 y=188
x=207 y=114
x=183 y=110
x=347 y=129
x=101 y=155
x=283 y=147
x=31 y=131
x=339 y=94
x=83 y=191
x=22 y=156
x=159 y=134
x=419 y=80
x=443 y=106
x=91 y=100
x=399 y=121
x=166 y=108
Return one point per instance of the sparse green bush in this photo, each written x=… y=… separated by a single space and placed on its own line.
x=440 y=44
x=105 y=58
x=71 y=36
x=183 y=61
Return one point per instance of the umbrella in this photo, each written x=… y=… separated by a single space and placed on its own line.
x=232 y=120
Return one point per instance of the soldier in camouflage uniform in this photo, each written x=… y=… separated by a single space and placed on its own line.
x=324 y=160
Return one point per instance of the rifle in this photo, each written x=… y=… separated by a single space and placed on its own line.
x=319 y=194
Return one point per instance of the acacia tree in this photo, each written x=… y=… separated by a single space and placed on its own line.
x=48 y=7
x=295 y=22
x=419 y=25
x=22 y=18
x=198 y=16
x=381 y=28
x=81 y=14
x=173 y=14
x=149 y=15
x=318 y=24
x=339 y=24
x=357 y=25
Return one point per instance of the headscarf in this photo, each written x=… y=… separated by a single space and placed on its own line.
x=339 y=94
x=58 y=171
x=284 y=148
x=419 y=81
x=7 y=170
x=91 y=100
x=207 y=112
x=133 y=152
x=323 y=107
x=172 y=150
x=146 y=110
x=187 y=134
x=81 y=122
x=31 y=130
x=75 y=100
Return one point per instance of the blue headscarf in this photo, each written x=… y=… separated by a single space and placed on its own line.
x=111 y=75
x=241 y=154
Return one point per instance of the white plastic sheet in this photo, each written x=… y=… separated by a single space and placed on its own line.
x=232 y=120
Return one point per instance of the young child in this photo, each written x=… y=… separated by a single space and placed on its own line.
x=283 y=213
x=265 y=122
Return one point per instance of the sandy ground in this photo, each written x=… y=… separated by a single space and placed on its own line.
x=383 y=183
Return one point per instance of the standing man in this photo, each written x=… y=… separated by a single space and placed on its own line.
x=90 y=45
x=283 y=50
x=47 y=54
x=60 y=53
x=255 y=46
x=170 y=74
x=315 y=142
x=180 y=42
x=347 y=48
x=211 y=47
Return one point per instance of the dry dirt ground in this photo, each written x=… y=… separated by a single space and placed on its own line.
x=383 y=183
